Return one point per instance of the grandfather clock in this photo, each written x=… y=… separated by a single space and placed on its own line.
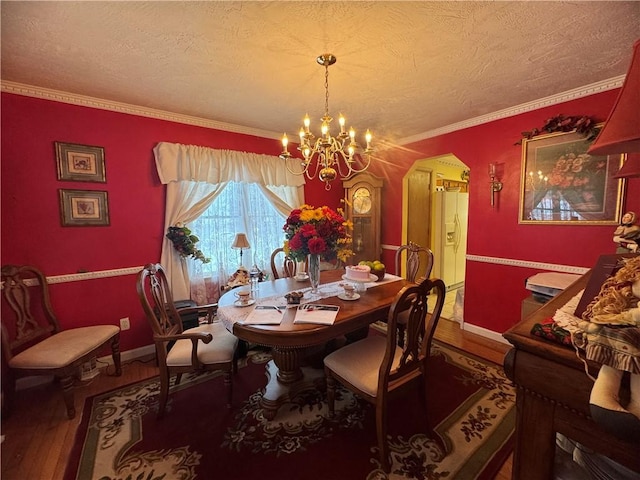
x=362 y=206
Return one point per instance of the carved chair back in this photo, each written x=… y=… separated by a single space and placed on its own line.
x=415 y=256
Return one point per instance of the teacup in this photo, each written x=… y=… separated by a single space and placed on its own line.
x=349 y=291
x=301 y=276
x=243 y=296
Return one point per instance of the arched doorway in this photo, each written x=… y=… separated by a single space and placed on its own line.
x=430 y=187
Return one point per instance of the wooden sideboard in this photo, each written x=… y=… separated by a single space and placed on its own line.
x=553 y=397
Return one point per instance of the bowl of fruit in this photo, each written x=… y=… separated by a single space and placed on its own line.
x=377 y=268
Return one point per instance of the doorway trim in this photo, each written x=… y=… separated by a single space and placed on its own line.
x=427 y=165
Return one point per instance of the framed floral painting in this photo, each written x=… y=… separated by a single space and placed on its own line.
x=562 y=184
x=83 y=208
x=80 y=163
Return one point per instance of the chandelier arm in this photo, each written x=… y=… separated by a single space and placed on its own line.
x=346 y=161
x=360 y=170
x=302 y=162
x=313 y=175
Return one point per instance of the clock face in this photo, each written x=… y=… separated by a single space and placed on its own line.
x=362 y=200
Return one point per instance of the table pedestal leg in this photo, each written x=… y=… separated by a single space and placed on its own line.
x=286 y=379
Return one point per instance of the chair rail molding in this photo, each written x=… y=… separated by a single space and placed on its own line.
x=76 y=277
x=527 y=264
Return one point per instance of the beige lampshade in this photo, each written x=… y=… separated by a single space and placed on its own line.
x=240 y=242
x=621 y=131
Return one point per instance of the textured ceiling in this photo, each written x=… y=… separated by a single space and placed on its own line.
x=403 y=68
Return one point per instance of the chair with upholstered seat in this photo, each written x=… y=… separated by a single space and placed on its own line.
x=33 y=342
x=282 y=268
x=207 y=347
x=377 y=368
x=415 y=257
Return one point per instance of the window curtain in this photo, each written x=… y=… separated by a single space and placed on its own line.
x=195 y=175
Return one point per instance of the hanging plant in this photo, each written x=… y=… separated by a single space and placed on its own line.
x=185 y=243
x=584 y=125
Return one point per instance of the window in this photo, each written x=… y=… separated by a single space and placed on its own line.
x=240 y=207
x=553 y=206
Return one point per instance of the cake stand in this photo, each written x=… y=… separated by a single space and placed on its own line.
x=360 y=284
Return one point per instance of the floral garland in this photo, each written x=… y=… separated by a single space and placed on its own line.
x=584 y=125
x=185 y=243
x=320 y=231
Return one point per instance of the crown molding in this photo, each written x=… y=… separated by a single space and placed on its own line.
x=92 y=102
x=585 y=91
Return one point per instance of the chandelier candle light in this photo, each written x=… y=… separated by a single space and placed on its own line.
x=334 y=155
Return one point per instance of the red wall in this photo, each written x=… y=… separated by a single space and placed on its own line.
x=493 y=293
x=31 y=231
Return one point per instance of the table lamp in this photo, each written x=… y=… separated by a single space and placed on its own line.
x=240 y=242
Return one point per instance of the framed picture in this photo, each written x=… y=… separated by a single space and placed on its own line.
x=80 y=208
x=562 y=184
x=80 y=163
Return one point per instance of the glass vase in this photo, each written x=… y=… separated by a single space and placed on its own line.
x=314 y=272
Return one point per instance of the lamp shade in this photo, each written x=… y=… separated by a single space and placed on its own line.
x=621 y=131
x=240 y=241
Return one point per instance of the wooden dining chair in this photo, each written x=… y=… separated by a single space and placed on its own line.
x=207 y=347
x=34 y=343
x=377 y=368
x=282 y=268
x=415 y=257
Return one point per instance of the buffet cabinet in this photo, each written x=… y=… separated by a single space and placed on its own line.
x=553 y=397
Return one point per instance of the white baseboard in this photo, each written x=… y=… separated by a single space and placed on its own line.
x=128 y=356
x=483 y=332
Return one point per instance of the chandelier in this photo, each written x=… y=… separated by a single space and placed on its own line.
x=339 y=155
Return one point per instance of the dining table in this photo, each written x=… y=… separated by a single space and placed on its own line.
x=296 y=347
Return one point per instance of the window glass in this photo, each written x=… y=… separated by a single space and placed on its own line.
x=240 y=208
x=553 y=206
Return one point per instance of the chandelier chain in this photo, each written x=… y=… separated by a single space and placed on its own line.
x=326 y=90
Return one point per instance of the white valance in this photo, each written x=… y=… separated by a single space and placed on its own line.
x=176 y=162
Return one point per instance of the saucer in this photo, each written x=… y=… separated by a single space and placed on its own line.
x=342 y=296
x=238 y=304
x=301 y=278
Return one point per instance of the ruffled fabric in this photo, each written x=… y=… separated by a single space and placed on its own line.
x=616 y=346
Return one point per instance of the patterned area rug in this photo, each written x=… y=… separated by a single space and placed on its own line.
x=471 y=406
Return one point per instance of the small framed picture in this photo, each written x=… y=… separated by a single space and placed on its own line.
x=80 y=163
x=82 y=208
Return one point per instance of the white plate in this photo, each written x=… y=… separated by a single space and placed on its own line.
x=301 y=278
x=372 y=278
x=342 y=296
x=238 y=304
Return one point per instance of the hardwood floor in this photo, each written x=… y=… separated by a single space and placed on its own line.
x=37 y=437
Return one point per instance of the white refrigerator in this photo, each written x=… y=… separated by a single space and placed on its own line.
x=451 y=208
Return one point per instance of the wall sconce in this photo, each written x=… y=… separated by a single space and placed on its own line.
x=496 y=185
